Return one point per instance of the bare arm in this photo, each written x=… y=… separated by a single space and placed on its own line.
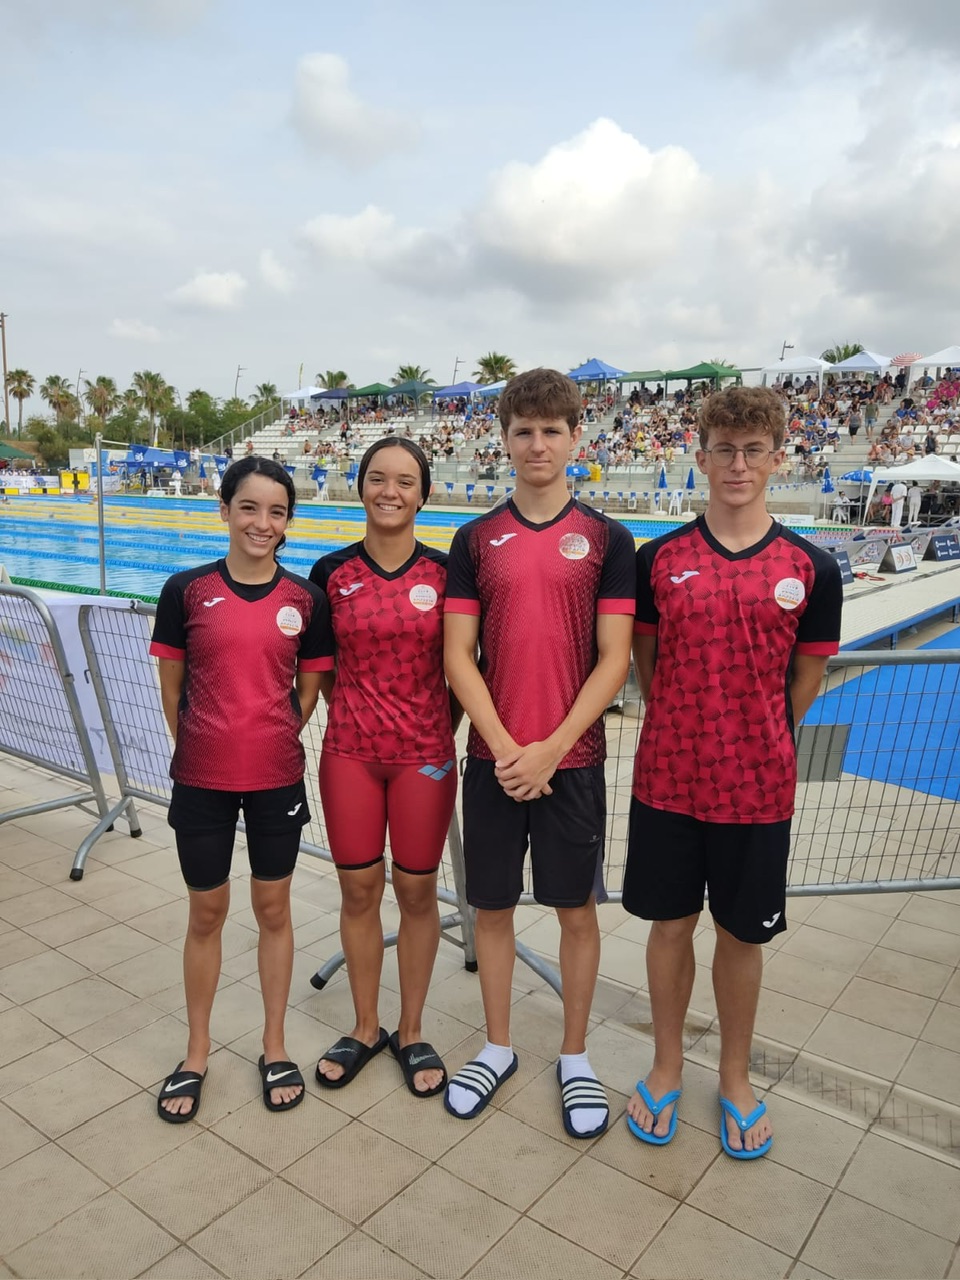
x=526 y=773
x=805 y=681
x=644 y=661
x=461 y=632
x=308 y=691
x=172 y=672
x=327 y=680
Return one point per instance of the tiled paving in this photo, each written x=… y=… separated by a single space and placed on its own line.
x=858 y=1048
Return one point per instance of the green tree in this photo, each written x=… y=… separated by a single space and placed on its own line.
x=841 y=351
x=155 y=396
x=58 y=393
x=101 y=396
x=332 y=379
x=264 y=393
x=54 y=442
x=21 y=385
x=412 y=373
x=494 y=367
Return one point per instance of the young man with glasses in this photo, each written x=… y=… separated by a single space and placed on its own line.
x=736 y=617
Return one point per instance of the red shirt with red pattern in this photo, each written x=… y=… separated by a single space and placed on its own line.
x=390 y=701
x=717 y=737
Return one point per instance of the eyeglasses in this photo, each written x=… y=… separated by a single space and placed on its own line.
x=754 y=455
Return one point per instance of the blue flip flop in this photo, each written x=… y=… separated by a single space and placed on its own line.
x=655 y=1106
x=743 y=1123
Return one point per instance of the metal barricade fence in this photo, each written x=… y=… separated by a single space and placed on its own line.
x=42 y=721
x=127 y=687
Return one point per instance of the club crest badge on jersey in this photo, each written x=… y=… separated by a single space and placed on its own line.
x=423 y=597
x=290 y=620
x=789 y=593
x=574 y=546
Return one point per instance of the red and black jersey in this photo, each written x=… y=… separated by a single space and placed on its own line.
x=238 y=728
x=717 y=737
x=390 y=702
x=537 y=589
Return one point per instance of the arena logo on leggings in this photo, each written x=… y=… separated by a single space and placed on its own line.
x=437 y=772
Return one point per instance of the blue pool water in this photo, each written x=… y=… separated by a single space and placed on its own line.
x=51 y=544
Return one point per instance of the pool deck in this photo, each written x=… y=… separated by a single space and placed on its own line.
x=861 y=996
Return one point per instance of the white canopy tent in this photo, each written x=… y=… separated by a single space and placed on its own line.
x=303 y=393
x=863 y=362
x=948 y=358
x=796 y=364
x=932 y=467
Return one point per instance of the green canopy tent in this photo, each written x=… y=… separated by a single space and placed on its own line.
x=642 y=375
x=10 y=451
x=704 y=372
x=374 y=389
x=413 y=388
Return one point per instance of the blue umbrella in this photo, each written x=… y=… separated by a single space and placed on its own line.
x=858 y=477
x=691 y=479
x=662 y=482
x=202 y=472
x=827 y=486
x=577 y=471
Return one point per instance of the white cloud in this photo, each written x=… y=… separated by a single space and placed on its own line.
x=403 y=255
x=333 y=120
x=158 y=17
x=274 y=274
x=134 y=331
x=211 y=291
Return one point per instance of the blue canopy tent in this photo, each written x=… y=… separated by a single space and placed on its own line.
x=456 y=390
x=491 y=388
x=595 y=371
x=335 y=393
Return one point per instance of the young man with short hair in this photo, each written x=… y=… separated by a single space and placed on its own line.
x=736 y=618
x=545 y=587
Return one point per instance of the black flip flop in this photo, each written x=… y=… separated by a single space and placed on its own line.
x=280 y=1075
x=418 y=1057
x=180 y=1084
x=353 y=1055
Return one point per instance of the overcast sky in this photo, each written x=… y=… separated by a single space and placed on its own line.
x=193 y=185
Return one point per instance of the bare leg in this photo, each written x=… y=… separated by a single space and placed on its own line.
x=496 y=952
x=201 y=973
x=579 y=962
x=271 y=906
x=671 y=967
x=361 y=936
x=417 y=942
x=737 y=971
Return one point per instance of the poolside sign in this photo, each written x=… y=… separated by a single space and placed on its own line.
x=943 y=546
x=843 y=560
x=898 y=558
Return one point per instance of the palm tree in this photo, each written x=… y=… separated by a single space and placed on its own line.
x=155 y=397
x=494 y=367
x=21 y=386
x=101 y=396
x=58 y=393
x=332 y=379
x=412 y=373
x=264 y=392
x=841 y=351
x=198 y=400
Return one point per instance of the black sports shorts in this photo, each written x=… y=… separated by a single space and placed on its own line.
x=206 y=821
x=673 y=858
x=564 y=831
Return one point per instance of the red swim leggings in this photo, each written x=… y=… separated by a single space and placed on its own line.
x=361 y=800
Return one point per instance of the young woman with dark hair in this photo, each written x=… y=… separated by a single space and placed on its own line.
x=388 y=758
x=241 y=645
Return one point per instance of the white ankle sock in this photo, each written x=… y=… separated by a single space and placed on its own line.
x=497 y=1057
x=577 y=1066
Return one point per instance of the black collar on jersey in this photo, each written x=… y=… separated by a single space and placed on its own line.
x=536 y=528
x=372 y=565
x=249 y=591
x=772 y=533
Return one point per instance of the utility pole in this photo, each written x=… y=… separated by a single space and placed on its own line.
x=787 y=346
x=456 y=365
x=6 y=389
x=80 y=373
x=236 y=381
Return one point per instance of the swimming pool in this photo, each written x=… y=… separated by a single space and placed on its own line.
x=54 y=540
